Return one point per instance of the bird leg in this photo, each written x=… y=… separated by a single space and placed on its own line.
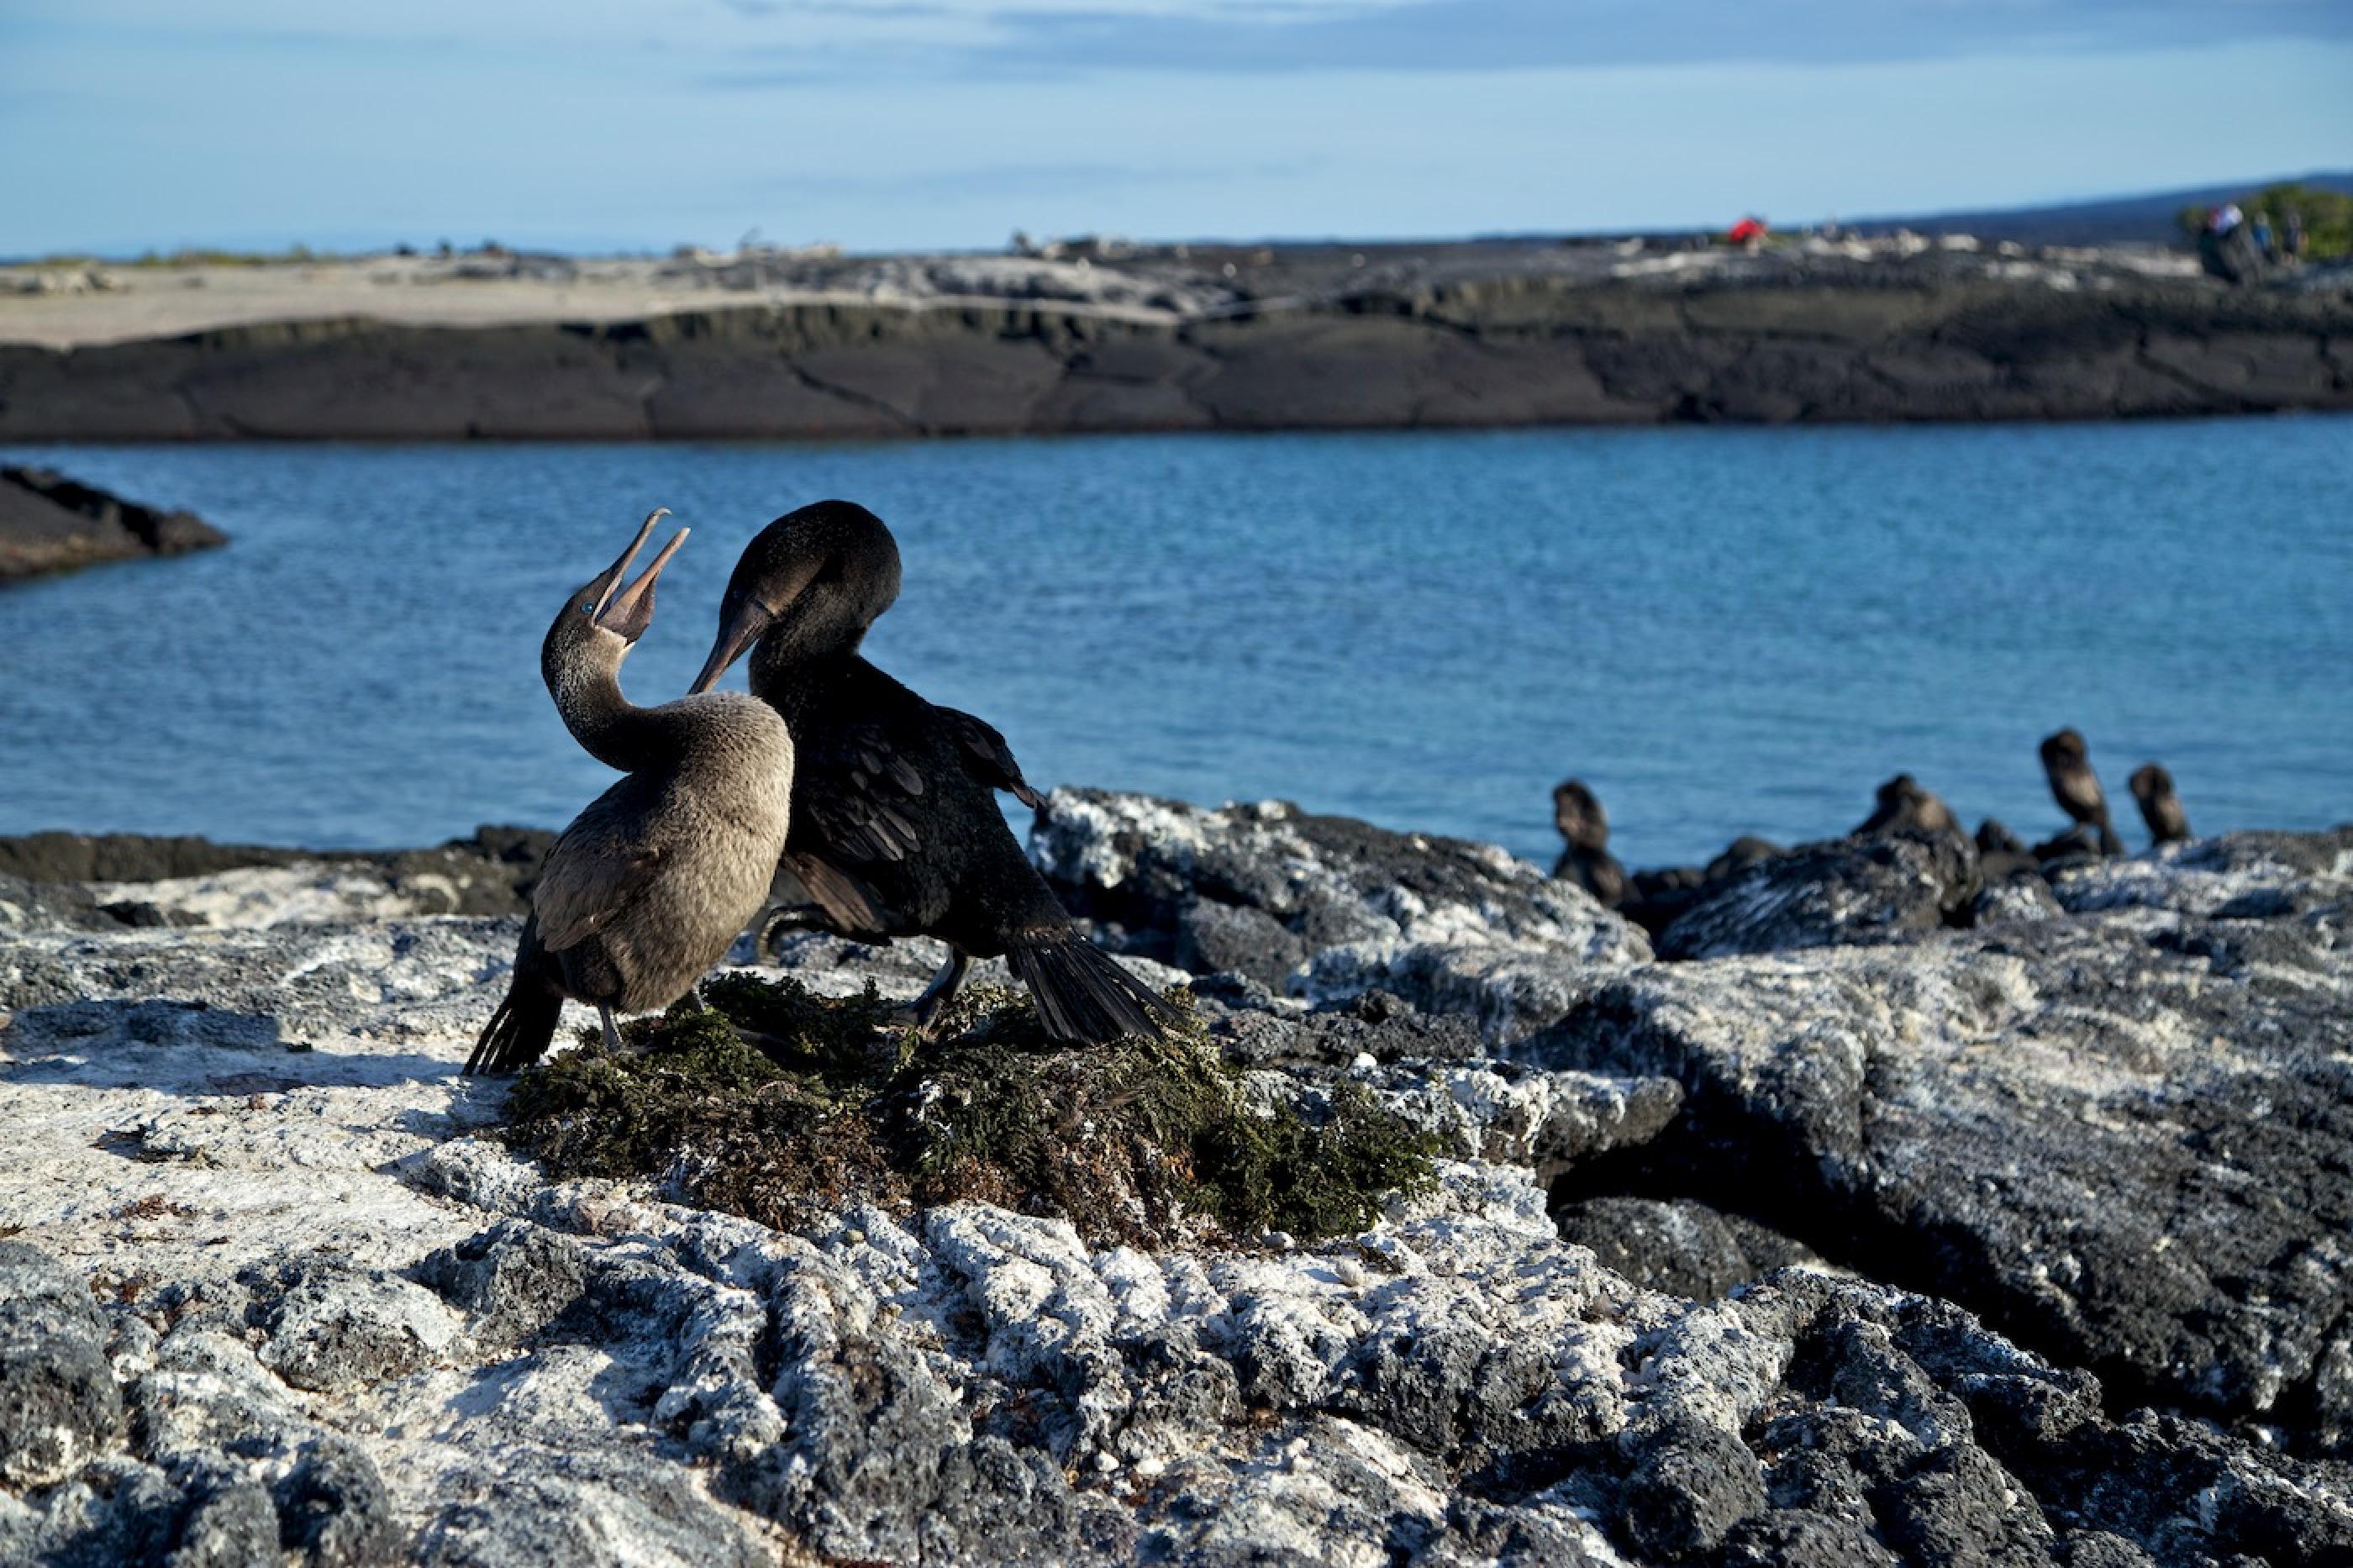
x=923 y=1009
x=612 y=1034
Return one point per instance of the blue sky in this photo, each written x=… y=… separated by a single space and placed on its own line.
x=884 y=123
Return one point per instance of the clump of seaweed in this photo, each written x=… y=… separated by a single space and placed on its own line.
x=776 y=1103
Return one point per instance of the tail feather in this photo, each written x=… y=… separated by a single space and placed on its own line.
x=1083 y=997
x=523 y=1028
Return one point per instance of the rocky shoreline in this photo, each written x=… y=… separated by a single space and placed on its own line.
x=1496 y=334
x=1886 y=1226
x=52 y=523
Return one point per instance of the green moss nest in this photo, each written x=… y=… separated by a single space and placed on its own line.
x=780 y=1104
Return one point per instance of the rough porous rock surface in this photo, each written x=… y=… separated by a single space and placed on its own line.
x=1856 y=889
x=54 y=1380
x=111 y=879
x=52 y=523
x=1682 y=1248
x=1328 y=908
x=2237 y=876
x=2125 y=1135
x=273 y=1291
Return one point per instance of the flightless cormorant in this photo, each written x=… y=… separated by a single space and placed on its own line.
x=652 y=883
x=896 y=829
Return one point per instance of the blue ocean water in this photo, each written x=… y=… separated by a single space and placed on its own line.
x=1724 y=631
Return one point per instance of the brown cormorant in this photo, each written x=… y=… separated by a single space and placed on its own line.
x=1994 y=838
x=649 y=886
x=896 y=829
x=1902 y=805
x=2067 y=762
x=2152 y=788
x=1584 y=827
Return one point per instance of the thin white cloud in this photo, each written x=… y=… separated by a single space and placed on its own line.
x=922 y=39
x=555 y=123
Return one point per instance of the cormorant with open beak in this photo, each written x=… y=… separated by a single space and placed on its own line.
x=651 y=884
x=895 y=828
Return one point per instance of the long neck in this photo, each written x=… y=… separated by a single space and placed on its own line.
x=804 y=654
x=609 y=726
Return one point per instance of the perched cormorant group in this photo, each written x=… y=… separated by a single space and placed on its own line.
x=1653 y=899
x=831 y=797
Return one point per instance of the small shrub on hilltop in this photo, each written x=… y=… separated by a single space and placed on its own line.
x=777 y=1104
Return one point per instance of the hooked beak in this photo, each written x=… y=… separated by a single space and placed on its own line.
x=610 y=577
x=749 y=621
x=628 y=611
x=738 y=632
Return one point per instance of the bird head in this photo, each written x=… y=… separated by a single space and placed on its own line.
x=815 y=578
x=602 y=610
x=2064 y=749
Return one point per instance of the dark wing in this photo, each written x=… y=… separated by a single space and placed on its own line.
x=862 y=794
x=595 y=871
x=856 y=795
x=850 y=908
x=986 y=756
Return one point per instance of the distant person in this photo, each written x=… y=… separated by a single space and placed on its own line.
x=2291 y=235
x=2261 y=230
x=2067 y=763
x=1585 y=830
x=2152 y=789
x=1748 y=233
x=2209 y=246
x=2226 y=249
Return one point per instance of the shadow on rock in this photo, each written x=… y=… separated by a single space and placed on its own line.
x=189 y=1048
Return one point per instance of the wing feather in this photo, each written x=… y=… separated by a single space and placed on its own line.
x=595 y=871
x=862 y=781
x=988 y=758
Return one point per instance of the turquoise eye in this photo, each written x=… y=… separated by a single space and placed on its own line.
x=587 y=607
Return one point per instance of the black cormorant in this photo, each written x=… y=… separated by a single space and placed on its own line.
x=2152 y=788
x=1584 y=828
x=2067 y=762
x=896 y=830
x=1903 y=805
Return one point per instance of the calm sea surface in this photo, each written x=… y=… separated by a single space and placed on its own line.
x=1724 y=631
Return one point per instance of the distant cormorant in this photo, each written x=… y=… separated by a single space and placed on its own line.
x=896 y=829
x=2067 y=762
x=1585 y=830
x=1996 y=838
x=649 y=886
x=2152 y=788
x=1902 y=805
